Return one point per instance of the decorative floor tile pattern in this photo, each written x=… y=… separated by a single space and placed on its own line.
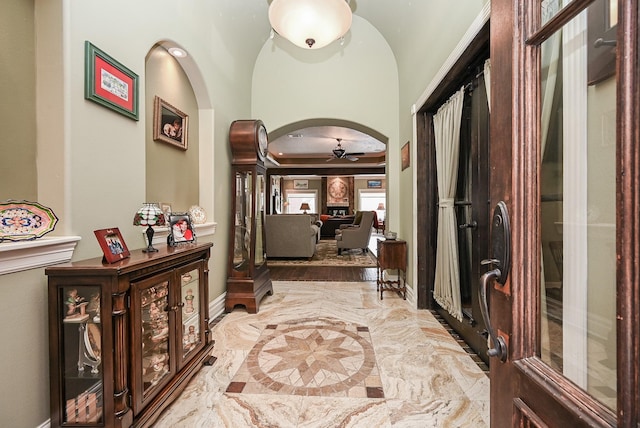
x=421 y=377
x=326 y=358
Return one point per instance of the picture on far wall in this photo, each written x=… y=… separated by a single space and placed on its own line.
x=374 y=184
x=405 y=156
x=170 y=125
x=300 y=184
x=337 y=191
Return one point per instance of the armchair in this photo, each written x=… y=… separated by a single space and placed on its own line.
x=354 y=236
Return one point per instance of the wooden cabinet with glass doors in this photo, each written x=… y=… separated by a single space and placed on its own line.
x=125 y=338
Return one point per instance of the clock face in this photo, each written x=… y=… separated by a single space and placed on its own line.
x=262 y=142
x=337 y=190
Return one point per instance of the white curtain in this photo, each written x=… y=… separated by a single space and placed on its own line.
x=446 y=123
x=487 y=81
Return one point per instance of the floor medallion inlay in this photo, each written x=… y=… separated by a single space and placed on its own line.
x=311 y=358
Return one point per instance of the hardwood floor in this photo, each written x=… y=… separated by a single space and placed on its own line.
x=321 y=273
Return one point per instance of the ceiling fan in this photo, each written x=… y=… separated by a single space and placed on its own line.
x=340 y=153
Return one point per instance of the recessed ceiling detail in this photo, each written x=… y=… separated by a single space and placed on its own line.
x=327 y=146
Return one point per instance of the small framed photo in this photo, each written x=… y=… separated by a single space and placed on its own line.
x=406 y=161
x=109 y=83
x=374 y=184
x=170 y=125
x=300 y=184
x=112 y=244
x=166 y=209
x=180 y=229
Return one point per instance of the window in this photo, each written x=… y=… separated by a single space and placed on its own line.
x=370 y=200
x=295 y=198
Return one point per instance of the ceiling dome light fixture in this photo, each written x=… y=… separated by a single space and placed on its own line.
x=310 y=24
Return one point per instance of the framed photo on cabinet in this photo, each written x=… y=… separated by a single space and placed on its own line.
x=181 y=229
x=112 y=244
x=170 y=124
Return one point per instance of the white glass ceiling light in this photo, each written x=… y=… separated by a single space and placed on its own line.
x=310 y=24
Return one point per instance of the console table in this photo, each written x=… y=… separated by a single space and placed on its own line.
x=392 y=255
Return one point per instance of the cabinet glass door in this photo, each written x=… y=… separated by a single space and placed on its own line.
x=260 y=190
x=191 y=312
x=151 y=326
x=243 y=220
x=81 y=339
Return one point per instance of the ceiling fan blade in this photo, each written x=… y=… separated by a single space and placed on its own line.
x=354 y=154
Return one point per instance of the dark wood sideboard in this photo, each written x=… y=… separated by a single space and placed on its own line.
x=125 y=338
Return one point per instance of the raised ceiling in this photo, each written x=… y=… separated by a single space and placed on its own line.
x=311 y=146
x=400 y=22
x=326 y=147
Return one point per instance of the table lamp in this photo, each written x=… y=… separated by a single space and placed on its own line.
x=149 y=215
x=304 y=207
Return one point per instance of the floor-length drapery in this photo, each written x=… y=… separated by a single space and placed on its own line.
x=446 y=124
x=487 y=81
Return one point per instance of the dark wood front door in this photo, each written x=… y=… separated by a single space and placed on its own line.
x=565 y=160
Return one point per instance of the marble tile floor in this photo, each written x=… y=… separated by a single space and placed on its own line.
x=323 y=354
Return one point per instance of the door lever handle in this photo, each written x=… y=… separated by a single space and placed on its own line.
x=471 y=225
x=499 y=345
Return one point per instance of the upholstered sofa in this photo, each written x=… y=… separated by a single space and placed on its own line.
x=290 y=235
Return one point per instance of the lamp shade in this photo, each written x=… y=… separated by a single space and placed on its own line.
x=310 y=24
x=149 y=215
x=380 y=206
x=304 y=207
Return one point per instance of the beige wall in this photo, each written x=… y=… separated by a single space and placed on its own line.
x=92 y=160
x=171 y=173
x=18 y=173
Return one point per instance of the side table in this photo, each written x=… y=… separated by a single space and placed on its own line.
x=392 y=255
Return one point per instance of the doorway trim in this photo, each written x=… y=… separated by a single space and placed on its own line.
x=423 y=224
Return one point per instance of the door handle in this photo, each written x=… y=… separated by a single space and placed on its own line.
x=501 y=262
x=471 y=225
x=499 y=345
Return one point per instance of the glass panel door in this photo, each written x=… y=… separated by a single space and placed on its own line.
x=82 y=385
x=243 y=220
x=191 y=314
x=155 y=338
x=578 y=214
x=260 y=191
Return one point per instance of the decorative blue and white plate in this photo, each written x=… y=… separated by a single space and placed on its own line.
x=23 y=220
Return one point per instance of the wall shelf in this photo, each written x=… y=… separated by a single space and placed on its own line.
x=25 y=255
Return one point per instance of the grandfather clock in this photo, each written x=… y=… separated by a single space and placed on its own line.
x=248 y=276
